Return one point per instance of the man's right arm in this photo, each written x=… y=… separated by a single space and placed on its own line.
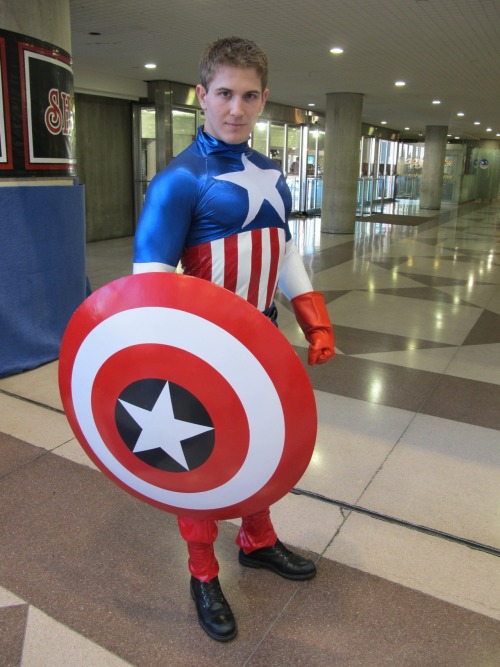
x=164 y=224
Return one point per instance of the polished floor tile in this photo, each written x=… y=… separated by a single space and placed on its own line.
x=354 y=439
x=450 y=468
x=398 y=507
x=447 y=570
x=105 y=582
x=477 y=362
x=413 y=318
x=38 y=386
x=33 y=423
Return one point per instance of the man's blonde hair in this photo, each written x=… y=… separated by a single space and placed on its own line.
x=232 y=52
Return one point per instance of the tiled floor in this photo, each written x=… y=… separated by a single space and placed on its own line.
x=400 y=505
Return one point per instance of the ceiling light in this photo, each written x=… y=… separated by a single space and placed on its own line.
x=311 y=104
x=400 y=83
x=460 y=113
x=488 y=129
x=407 y=128
x=436 y=101
x=150 y=66
x=383 y=122
x=337 y=50
x=476 y=122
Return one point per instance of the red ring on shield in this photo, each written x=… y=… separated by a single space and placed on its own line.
x=211 y=389
x=224 y=352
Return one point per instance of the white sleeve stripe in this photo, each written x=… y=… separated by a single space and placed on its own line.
x=151 y=267
x=293 y=278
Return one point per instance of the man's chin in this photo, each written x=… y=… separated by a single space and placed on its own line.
x=235 y=136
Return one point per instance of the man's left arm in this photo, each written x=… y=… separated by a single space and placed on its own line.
x=309 y=306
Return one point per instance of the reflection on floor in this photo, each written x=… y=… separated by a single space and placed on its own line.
x=400 y=504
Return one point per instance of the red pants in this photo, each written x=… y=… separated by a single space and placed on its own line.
x=256 y=532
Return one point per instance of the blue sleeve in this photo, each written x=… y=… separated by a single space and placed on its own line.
x=166 y=217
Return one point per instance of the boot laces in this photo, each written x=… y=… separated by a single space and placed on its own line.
x=212 y=594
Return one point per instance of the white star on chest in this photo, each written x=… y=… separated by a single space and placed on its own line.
x=160 y=428
x=260 y=185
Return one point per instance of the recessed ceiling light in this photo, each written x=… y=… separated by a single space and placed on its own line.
x=337 y=50
x=407 y=128
x=150 y=66
x=488 y=129
x=476 y=122
x=311 y=104
x=460 y=113
x=457 y=137
x=400 y=83
x=436 y=101
x=383 y=122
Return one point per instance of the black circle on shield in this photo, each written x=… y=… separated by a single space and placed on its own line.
x=152 y=443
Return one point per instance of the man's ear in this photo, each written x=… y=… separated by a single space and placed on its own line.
x=264 y=99
x=201 y=93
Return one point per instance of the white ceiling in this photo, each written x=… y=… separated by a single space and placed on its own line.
x=444 y=49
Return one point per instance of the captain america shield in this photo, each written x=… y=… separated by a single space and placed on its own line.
x=186 y=396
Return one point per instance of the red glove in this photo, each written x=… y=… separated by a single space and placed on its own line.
x=312 y=316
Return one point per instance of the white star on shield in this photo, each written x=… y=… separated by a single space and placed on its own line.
x=160 y=428
x=260 y=185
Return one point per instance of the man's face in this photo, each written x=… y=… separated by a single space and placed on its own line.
x=232 y=103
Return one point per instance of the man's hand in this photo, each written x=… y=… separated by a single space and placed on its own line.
x=312 y=316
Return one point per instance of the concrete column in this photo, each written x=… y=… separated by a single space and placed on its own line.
x=341 y=168
x=42 y=273
x=48 y=20
x=433 y=167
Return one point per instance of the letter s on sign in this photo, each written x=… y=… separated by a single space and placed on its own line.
x=53 y=115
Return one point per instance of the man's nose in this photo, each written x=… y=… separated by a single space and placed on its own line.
x=237 y=106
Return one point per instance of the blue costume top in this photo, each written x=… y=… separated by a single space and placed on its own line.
x=222 y=210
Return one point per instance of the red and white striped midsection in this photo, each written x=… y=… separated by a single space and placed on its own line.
x=246 y=263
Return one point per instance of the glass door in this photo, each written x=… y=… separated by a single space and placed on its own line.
x=365 y=181
x=315 y=162
x=184 y=124
x=183 y=129
x=260 y=137
x=386 y=168
x=144 y=160
x=277 y=144
x=293 y=163
x=409 y=171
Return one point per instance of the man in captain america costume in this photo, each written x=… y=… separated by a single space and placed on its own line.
x=221 y=209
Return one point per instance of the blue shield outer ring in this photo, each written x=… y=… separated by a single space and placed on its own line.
x=221 y=349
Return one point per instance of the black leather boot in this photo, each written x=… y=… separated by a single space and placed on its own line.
x=281 y=560
x=214 y=613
